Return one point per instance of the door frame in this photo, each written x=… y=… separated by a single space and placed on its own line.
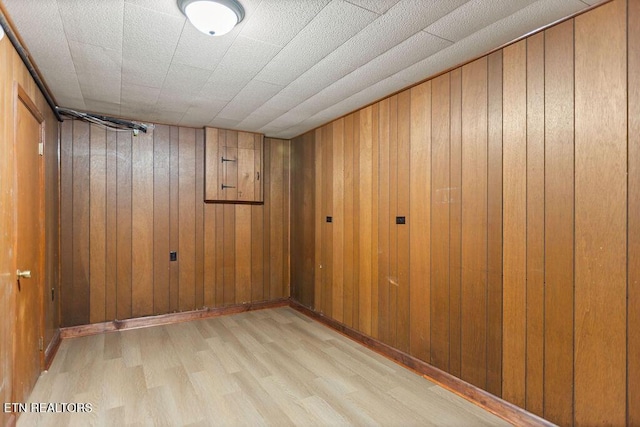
x=20 y=95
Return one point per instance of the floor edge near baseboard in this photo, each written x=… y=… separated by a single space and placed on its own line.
x=165 y=319
x=52 y=349
x=497 y=406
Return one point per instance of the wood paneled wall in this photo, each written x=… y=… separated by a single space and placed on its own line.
x=518 y=176
x=127 y=202
x=12 y=72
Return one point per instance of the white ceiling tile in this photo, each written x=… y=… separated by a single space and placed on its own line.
x=143 y=59
x=105 y=89
x=185 y=80
x=241 y=63
x=101 y=107
x=278 y=21
x=144 y=73
x=378 y=6
x=473 y=16
x=97 y=60
x=200 y=50
x=170 y=7
x=252 y=96
x=337 y=22
x=150 y=36
x=139 y=95
x=224 y=123
x=97 y=23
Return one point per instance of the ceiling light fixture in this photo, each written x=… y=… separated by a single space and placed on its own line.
x=1 y=32
x=212 y=17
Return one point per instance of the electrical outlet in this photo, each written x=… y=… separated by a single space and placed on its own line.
x=329 y=219
x=401 y=220
x=173 y=256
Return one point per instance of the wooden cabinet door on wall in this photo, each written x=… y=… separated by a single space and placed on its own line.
x=233 y=166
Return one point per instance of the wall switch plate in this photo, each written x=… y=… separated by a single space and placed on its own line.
x=401 y=220
x=329 y=219
x=173 y=256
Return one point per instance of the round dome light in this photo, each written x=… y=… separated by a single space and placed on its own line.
x=212 y=17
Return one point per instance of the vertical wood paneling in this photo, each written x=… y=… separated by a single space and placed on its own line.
x=494 y=225
x=420 y=221
x=337 y=280
x=220 y=259
x=600 y=215
x=111 y=226
x=161 y=214
x=257 y=254
x=199 y=212
x=455 y=223
x=350 y=168
x=229 y=253
x=440 y=203
x=375 y=197
x=123 y=303
x=81 y=223
x=97 y=232
x=364 y=212
x=320 y=212
x=404 y=151
x=392 y=328
x=515 y=221
x=474 y=223
x=66 y=220
x=327 y=227
x=266 y=221
x=633 y=215
x=309 y=204
x=142 y=225
x=558 y=223
x=278 y=216
x=210 y=255
x=187 y=220
x=243 y=253
x=361 y=287
x=535 y=223
x=174 y=220
x=384 y=219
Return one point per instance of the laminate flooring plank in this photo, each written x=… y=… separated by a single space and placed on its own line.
x=268 y=367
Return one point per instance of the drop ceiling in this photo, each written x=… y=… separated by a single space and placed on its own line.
x=289 y=66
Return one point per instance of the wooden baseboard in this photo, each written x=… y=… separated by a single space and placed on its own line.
x=503 y=409
x=52 y=349
x=165 y=319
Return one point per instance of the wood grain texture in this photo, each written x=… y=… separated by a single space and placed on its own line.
x=394 y=282
x=187 y=219
x=359 y=134
x=420 y=222
x=514 y=217
x=199 y=213
x=174 y=220
x=97 y=232
x=403 y=256
x=455 y=224
x=384 y=220
x=535 y=224
x=338 y=224
x=633 y=215
x=327 y=227
x=559 y=224
x=229 y=375
x=364 y=274
x=161 y=215
x=142 y=225
x=111 y=226
x=474 y=223
x=375 y=198
x=440 y=203
x=600 y=215
x=147 y=202
x=80 y=287
x=494 y=224
x=66 y=218
x=351 y=168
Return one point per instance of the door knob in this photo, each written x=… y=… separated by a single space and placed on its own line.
x=26 y=274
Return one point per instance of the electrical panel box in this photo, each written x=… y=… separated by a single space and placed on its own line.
x=233 y=166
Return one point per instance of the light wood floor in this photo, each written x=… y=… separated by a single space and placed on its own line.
x=269 y=367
